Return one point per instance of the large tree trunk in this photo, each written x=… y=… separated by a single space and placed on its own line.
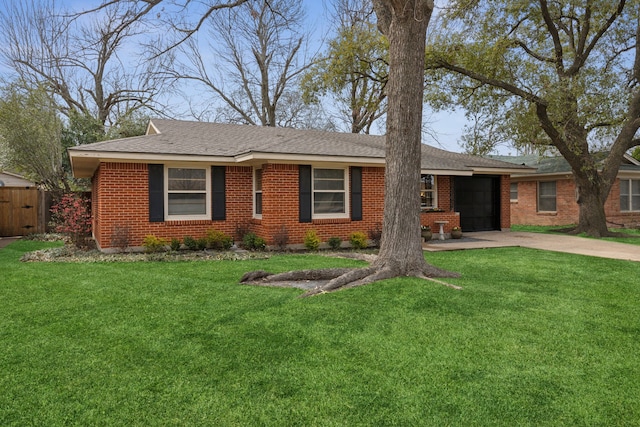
x=405 y=24
x=591 y=197
x=401 y=246
x=593 y=188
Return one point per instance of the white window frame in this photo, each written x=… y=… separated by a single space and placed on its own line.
x=629 y=207
x=434 y=190
x=555 y=196
x=345 y=190
x=207 y=191
x=256 y=192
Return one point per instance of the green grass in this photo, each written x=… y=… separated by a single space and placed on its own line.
x=535 y=338
x=538 y=228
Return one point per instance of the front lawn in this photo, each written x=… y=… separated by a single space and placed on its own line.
x=535 y=338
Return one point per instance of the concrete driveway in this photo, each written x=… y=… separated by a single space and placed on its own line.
x=547 y=242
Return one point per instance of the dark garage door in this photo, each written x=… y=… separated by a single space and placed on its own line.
x=477 y=199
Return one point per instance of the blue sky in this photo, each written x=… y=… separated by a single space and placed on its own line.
x=445 y=127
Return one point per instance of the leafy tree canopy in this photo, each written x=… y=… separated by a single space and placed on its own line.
x=354 y=71
x=30 y=133
x=561 y=74
x=575 y=58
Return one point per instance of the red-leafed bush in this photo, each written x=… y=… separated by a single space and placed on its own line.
x=72 y=216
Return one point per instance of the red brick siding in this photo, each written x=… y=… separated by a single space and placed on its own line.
x=444 y=188
x=612 y=209
x=280 y=206
x=121 y=199
x=123 y=191
x=524 y=211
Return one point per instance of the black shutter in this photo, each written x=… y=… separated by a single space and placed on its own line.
x=156 y=193
x=218 y=196
x=356 y=194
x=305 y=193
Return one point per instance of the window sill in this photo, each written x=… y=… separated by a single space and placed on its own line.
x=178 y=222
x=330 y=220
x=549 y=213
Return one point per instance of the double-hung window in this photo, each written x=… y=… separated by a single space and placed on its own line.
x=329 y=192
x=513 y=192
x=630 y=195
x=188 y=193
x=257 y=193
x=547 y=196
x=428 y=199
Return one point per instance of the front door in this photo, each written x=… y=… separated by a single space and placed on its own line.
x=477 y=198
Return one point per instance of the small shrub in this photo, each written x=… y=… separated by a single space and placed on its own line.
x=358 y=240
x=190 y=243
x=72 y=216
x=375 y=234
x=311 y=240
x=153 y=243
x=175 y=244
x=201 y=243
x=334 y=242
x=218 y=240
x=252 y=242
x=281 y=238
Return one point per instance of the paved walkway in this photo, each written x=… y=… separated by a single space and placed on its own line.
x=548 y=242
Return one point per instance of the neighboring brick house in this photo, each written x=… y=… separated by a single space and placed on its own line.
x=183 y=178
x=548 y=195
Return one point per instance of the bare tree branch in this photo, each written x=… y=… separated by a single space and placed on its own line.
x=257 y=60
x=77 y=60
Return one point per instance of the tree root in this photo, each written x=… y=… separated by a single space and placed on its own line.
x=299 y=275
x=343 y=278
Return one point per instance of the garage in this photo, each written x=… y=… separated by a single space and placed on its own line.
x=477 y=198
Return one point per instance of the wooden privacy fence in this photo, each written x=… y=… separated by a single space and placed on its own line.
x=23 y=210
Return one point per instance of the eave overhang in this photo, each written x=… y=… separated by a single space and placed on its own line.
x=84 y=162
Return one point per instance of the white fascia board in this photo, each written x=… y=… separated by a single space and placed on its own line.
x=152 y=129
x=445 y=172
x=541 y=176
x=85 y=163
x=105 y=156
x=254 y=157
x=500 y=171
x=631 y=160
x=629 y=175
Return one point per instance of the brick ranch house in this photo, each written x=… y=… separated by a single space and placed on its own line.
x=183 y=178
x=548 y=194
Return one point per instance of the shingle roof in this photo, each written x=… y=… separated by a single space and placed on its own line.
x=544 y=165
x=555 y=164
x=10 y=179
x=191 y=138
